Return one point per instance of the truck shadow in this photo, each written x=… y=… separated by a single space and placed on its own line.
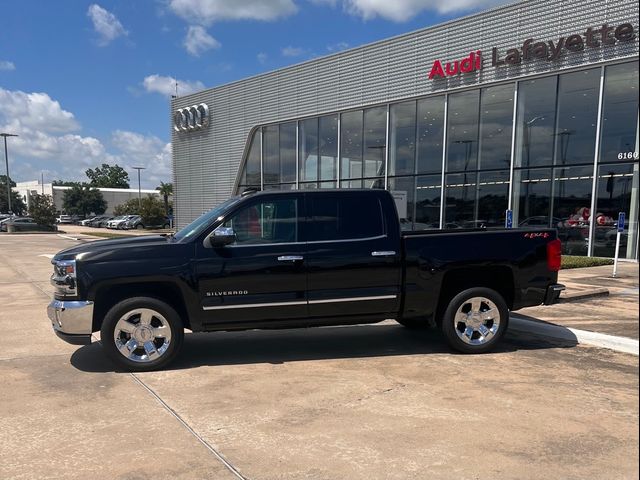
x=279 y=346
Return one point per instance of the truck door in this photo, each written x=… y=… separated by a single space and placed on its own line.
x=353 y=258
x=261 y=276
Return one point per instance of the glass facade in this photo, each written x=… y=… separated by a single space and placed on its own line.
x=563 y=155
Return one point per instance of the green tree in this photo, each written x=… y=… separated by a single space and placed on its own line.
x=130 y=207
x=152 y=211
x=166 y=190
x=108 y=176
x=43 y=210
x=17 y=204
x=83 y=201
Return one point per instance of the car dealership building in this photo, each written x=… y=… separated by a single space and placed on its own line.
x=530 y=109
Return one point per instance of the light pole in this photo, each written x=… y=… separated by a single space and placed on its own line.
x=6 y=159
x=139 y=191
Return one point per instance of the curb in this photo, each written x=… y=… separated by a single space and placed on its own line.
x=572 y=297
x=602 y=340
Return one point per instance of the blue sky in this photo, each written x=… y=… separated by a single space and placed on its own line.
x=84 y=83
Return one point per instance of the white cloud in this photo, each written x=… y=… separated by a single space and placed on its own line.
x=206 y=12
x=293 y=51
x=106 y=24
x=6 y=66
x=167 y=85
x=403 y=10
x=48 y=142
x=198 y=41
x=262 y=58
x=336 y=47
x=146 y=151
x=36 y=111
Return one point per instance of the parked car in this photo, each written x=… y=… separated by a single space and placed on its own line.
x=119 y=222
x=19 y=224
x=86 y=221
x=298 y=259
x=103 y=222
x=64 y=219
x=95 y=222
x=139 y=224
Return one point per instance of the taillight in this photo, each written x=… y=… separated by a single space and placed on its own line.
x=554 y=255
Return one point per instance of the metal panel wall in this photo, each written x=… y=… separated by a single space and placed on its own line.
x=206 y=162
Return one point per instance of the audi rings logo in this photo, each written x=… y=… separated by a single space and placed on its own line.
x=190 y=119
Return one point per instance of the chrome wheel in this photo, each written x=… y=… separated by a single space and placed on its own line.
x=142 y=335
x=477 y=321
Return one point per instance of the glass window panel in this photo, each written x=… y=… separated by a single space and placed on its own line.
x=373 y=183
x=492 y=199
x=288 y=152
x=535 y=122
x=271 y=154
x=270 y=221
x=571 y=207
x=251 y=174
x=308 y=146
x=577 y=114
x=617 y=192
x=351 y=183
x=462 y=133
x=430 y=133
x=333 y=218
x=402 y=142
x=375 y=141
x=308 y=186
x=428 y=194
x=619 y=112
x=351 y=145
x=328 y=147
x=403 y=191
x=496 y=122
x=532 y=198
x=460 y=200
x=327 y=184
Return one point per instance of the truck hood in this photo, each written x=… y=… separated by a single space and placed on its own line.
x=136 y=247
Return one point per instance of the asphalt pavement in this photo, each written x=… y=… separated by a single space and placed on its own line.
x=357 y=402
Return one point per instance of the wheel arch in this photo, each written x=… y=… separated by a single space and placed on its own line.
x=498 y=278
x=106 y=296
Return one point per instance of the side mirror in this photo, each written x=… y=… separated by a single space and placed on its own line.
x=222 y=236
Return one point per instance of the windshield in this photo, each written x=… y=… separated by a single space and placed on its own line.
x=201 y=223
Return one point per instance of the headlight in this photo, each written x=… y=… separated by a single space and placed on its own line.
x=64 y=277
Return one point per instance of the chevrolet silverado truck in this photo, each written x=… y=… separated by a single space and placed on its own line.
x=267 y=260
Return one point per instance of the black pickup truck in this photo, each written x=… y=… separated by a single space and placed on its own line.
x=298 y=259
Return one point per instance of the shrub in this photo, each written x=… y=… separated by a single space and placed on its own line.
x=569 y=261
x=42 y=210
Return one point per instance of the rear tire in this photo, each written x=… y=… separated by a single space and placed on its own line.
x=141 y=334
x=475 y=320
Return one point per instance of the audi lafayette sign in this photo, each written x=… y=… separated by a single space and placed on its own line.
x=551 y=50
x=192 y=118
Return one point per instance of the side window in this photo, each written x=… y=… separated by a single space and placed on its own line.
x=271 y=221
x=345 y=217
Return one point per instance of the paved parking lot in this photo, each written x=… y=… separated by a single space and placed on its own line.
x=365 y=402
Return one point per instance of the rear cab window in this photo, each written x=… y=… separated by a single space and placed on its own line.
x=345 y=217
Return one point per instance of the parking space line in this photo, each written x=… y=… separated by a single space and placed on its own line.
x=175 y=414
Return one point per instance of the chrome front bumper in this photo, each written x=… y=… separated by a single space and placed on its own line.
x=72 y=321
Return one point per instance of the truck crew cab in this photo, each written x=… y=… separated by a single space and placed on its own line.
x=298 y=259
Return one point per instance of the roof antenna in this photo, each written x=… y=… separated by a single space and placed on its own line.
x=176 y=87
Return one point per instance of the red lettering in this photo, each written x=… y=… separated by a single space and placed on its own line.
x=468 y=64
x=436 y=70
x=452 y=71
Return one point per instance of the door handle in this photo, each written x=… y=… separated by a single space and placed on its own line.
x=290 y=258
x=384 y=253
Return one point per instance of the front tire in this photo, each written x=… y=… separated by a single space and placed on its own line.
x=142 y=334
x=475 y=320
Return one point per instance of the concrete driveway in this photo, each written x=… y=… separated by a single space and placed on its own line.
x=365 y=402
